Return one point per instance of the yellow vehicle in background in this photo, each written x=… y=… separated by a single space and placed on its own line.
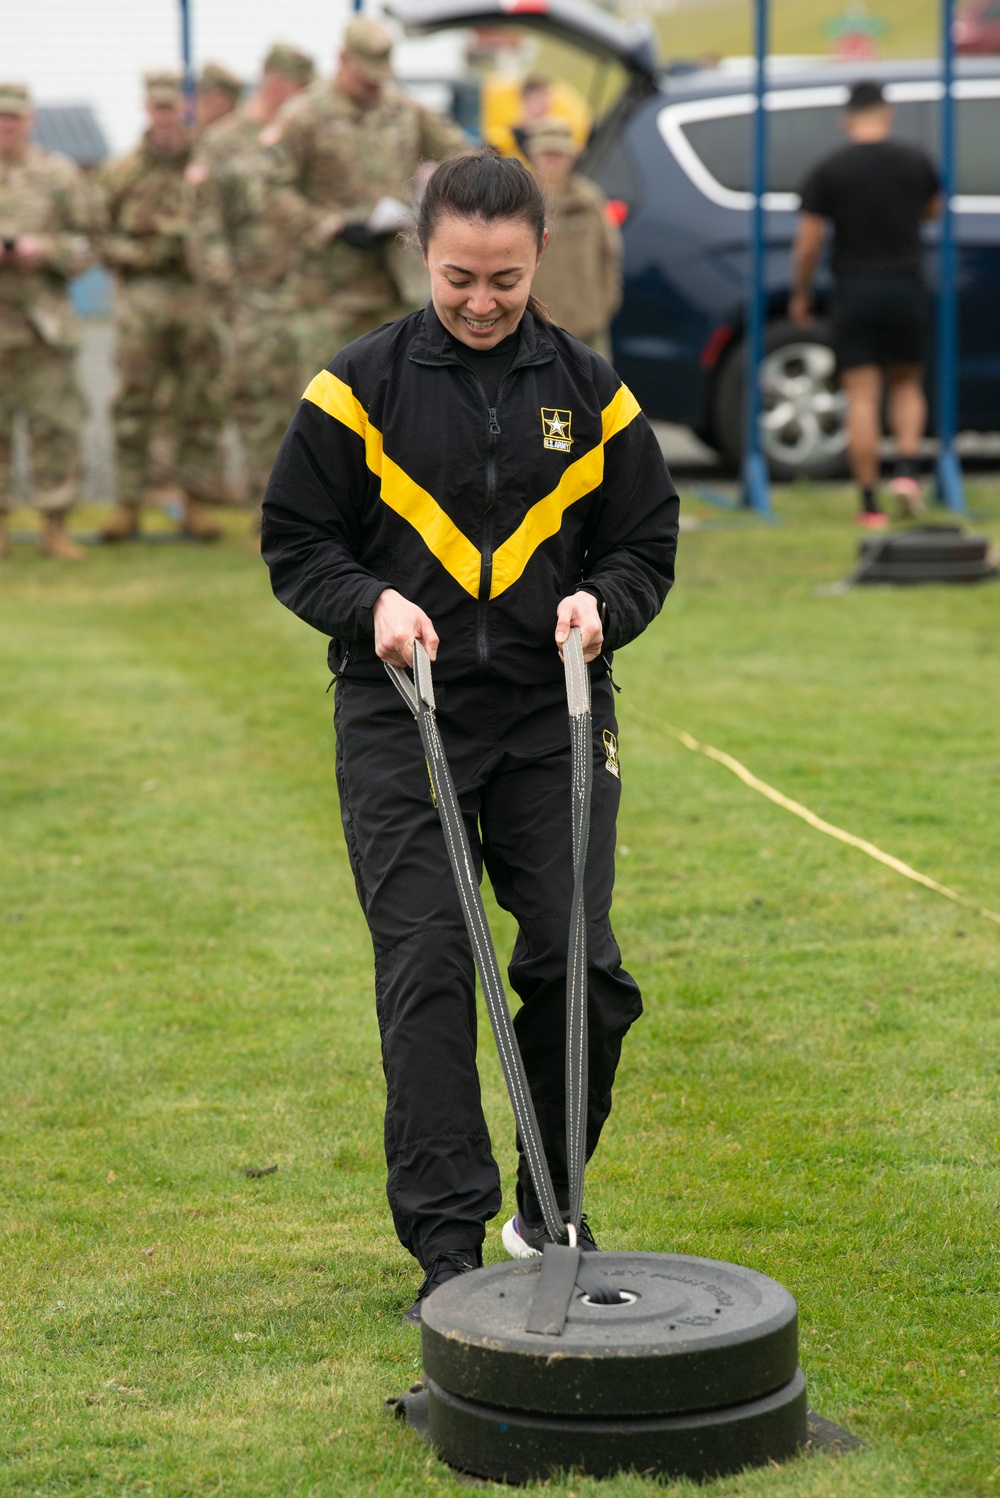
x=502 y=110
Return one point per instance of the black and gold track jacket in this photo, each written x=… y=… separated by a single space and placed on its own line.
x=396 y=473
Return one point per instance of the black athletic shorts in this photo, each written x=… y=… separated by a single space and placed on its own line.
x=879 y=320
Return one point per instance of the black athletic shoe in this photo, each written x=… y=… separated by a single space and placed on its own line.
x=524 y=1240
x=438 y=1272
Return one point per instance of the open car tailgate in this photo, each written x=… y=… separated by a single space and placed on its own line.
x=631 y=43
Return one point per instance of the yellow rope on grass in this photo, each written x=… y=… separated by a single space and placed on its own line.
x=798 y=810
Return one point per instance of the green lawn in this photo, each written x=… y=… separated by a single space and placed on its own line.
x=912 y=27
x=187 y=992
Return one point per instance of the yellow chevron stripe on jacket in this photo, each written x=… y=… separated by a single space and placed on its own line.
x=440 y=534
x=544 y=518
x=619 y=411
x=337 y=400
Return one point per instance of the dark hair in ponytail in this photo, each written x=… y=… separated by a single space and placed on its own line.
x=487 y=186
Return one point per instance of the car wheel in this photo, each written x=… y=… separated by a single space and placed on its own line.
x=803 y=425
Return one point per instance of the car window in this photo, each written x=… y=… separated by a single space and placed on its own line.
x=978 y=164
x=799 y=138
x=609 y=163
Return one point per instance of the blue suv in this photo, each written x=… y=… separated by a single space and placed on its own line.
x=673 y=151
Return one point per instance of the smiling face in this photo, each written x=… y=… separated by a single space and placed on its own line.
x=481 y=276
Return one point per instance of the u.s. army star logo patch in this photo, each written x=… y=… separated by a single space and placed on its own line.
x=556 y=433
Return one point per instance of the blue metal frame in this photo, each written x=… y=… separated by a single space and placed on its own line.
x=189 y=84
x=756 y=487
x=950 y=488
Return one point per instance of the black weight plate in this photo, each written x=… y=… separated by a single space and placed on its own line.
x=516 y=1447
x=933 y=554
x=921 y=547
x=700 y=1335
x=931 y=572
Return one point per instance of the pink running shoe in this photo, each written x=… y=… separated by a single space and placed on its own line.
x=909 y=494
x=873 y=520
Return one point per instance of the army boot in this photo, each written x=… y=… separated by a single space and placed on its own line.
x=212 y=487
x=56 y=541
x=122 y=524
x=198 y=522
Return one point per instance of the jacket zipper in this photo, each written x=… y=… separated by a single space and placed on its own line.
x=486 y=564
x=486 y=554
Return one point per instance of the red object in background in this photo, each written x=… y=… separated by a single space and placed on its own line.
x=524 y=7
x=714 y=344
x=977 y=27
x=616 y=211
x=857 y=46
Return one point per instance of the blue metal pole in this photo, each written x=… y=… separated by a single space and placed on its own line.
x=189 y=85
x=756 y=489
x=950 y=488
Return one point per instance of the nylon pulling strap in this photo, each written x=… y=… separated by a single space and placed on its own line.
x=418 y=694
x=563 y=1268
x=578 y=702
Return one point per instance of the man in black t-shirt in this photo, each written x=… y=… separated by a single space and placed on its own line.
x=876 y=192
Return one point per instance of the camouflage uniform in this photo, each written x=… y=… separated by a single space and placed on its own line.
x=45 y=195
x=167 y=329
x=245 y=230
x=342 y=158
x=580 y=277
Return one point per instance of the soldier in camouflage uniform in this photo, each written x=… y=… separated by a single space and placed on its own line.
x=245 y=230
x=168 y=335
x=47 y=213
x=349 y=144
x=219 y=93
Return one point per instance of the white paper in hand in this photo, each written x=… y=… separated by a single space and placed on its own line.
x=389 y=216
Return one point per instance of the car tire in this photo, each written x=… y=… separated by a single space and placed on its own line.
x=803 y=431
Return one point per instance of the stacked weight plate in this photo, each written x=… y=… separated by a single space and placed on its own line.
x=697 y=1375
x=926 y=554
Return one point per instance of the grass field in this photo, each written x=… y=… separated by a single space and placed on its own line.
x=187 y=992
x=912 y=27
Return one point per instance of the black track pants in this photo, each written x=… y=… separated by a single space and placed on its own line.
x=509 y=752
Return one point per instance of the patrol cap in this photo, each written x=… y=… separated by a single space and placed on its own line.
x=214 y=76
x=369 y=46
x=14 y=98
x=164 y=86
x=290 y=63
x=551 y=135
